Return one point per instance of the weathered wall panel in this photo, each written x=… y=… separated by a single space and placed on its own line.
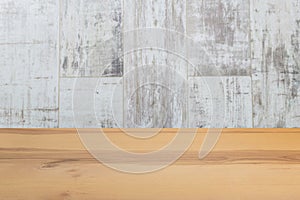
x=216 y=102
x=28 y=63
x=99 y=102
x=275 y=66
x=221 y=27
x=168 y=14
x=165 y=73
x=155 y=97
x=91 y=38
x=30 y=21
x=155 y=79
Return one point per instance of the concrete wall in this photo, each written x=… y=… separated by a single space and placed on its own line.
x=155 y=63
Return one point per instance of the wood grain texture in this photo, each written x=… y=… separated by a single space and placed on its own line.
x=275 y=55
x=169 y=14
x=29 y=76
x=91 y=102
x=91 y=38
x=245 y=164
x=220 y=102
x=31 y=21
x=221 y=27
x=155 y=79
x=42 y=41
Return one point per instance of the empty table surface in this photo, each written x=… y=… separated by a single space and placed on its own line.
x=244 y=164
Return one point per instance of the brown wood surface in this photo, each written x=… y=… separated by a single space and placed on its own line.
x=245 y=164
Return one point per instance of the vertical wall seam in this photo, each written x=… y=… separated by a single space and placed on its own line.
x=251 y=69
x=187 y=70
x=123 y=54
x=58 y=60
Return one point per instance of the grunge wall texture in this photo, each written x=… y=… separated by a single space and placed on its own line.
x=47 y=45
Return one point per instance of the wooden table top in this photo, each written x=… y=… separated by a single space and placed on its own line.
x=245 y=164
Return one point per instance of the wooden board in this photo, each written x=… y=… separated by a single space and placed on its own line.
x=245 y=164
x=28 y=63
x=221 y=27
x=91 y=102
x=91 y=38
x=275 y=63
x=162 y=46
x=155 y=79
x=28 y=22
x=220 y=102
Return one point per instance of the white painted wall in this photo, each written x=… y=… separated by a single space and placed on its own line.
x=162 y=63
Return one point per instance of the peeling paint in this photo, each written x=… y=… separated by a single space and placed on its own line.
x=253 y=48
x=155 y=80
x=91 y=38
x=217 y=102
x=221 y=28
x=28 y=77
x=106 y=112
x=275 y=63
